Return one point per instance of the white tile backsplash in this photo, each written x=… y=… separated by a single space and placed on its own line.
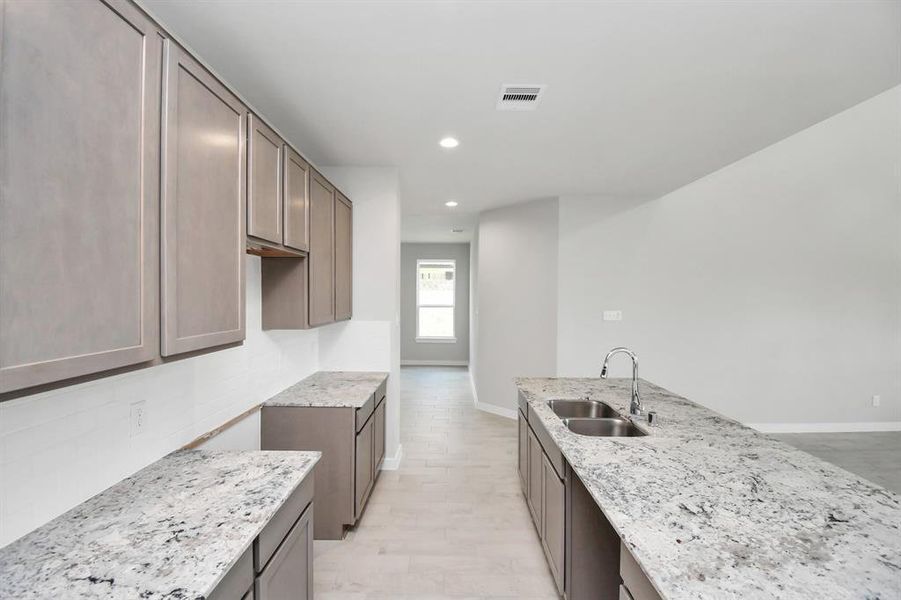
x=61 y=447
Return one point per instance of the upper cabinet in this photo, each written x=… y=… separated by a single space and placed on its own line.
x=264 y=171
x=343 y=257
x=297 y=201
x=203 y=208
x=132 y=184
x=79 y=189
x=322 y=251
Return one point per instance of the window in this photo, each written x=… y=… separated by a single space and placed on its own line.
x=435 y=290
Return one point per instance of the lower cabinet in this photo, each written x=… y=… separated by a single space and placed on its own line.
x=636 y=585
x=523 y=454
x=545 y=492
x=289 y=573
x=279 y=563
x=378 y=454
x=553 y=521
x=363 y=472
x=536 y=458
x=352 y=442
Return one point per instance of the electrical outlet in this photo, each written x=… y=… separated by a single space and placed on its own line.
x=138 y=418
x=613 y=315
x=877 y=400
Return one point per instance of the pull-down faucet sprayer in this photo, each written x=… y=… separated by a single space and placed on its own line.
x=635 y=406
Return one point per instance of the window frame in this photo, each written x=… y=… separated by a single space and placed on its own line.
x=453 y=305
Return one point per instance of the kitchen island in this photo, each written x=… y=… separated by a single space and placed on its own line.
x=709 y=508
x=194 y=524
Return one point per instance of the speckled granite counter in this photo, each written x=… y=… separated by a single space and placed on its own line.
x=331 y=389
x=712 y=509
x=172 y=530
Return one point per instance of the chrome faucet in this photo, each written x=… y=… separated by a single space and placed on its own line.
x=635 y=406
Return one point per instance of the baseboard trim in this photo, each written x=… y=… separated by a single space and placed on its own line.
x=392 y=463
x=500 y=411
x=434 y=363
x=489 y=408
x=856 y=427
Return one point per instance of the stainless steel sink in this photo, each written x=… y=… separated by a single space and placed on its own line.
x=603 y=427
x=583 y=409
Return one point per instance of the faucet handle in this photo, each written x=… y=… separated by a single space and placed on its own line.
x=653 y=419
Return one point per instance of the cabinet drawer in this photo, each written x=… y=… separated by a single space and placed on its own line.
x=523 y=405
x=364 y=411
x=638 y=585
x=547 y=443
x=280 y=524
x=290 y=572
x=237 y=581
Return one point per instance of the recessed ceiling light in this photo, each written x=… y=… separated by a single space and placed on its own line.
x=449 y=142
x=450 y=203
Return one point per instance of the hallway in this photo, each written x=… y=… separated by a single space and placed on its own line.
x=451 y=522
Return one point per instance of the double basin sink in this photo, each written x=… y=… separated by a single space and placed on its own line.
x=593 y=418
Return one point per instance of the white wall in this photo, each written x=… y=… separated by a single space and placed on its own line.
x=516 y=299
x=61 y=447
x=411 y=351
x=769 y=290
x=371 y=341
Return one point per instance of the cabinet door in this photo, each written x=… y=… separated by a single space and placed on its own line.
x=289 y=574
x=553 y=520
x=536 y=460
x=203 y=208
x=523 y=459
x=79 y=184
x=322 y=251
x=378 y=433
x=264 y=170
x=297 y=200
x=363 y=467
x=343 y=258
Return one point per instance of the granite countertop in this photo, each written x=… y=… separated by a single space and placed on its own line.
x=712 y=509
x=171 y=530
x=334 y=389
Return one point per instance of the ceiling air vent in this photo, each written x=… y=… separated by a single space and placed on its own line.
x=520 y=96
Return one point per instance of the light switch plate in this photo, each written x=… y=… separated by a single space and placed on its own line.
x=613 y=315
x=877 y=400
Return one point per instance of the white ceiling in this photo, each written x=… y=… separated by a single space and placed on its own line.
x=642 y=97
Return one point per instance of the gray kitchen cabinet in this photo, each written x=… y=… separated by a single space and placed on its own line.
x=592 y=546
x=297 y=200
x=289 y=573
x=536 y=460
x=343 y=257
x=203 y=145
x=79 y=185
x=264 y=173
x=523 y=454
x=363 y=466
x=635 y=582
x=237 y=581
x=378 y=453
x=322 y=251
x=553 y=521
x=352 y=442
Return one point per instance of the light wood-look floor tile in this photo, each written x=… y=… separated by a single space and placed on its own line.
x=451 y=522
